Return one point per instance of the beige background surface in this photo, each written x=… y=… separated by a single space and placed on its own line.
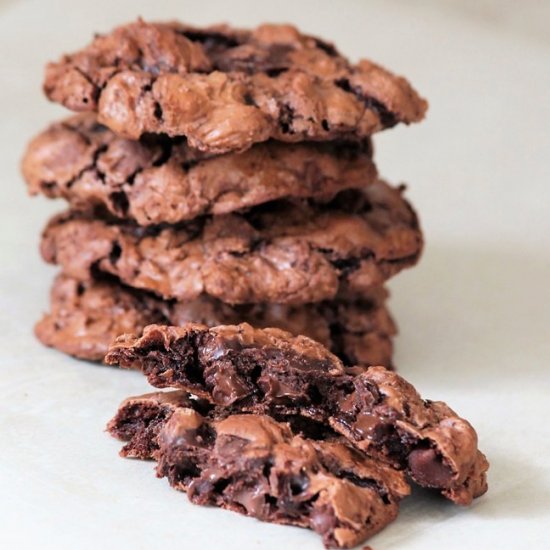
x=474 y=316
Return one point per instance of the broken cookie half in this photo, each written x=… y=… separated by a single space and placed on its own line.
x=257 y=466
x=239 y=369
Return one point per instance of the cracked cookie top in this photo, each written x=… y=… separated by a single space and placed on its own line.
x=280 y=252
x=225 y=89
x=161 y=180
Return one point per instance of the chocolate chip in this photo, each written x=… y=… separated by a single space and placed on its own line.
x=115 y=253
x=157 y=111
x=286 y=118
x=428 y=468
x=298 y=484
x=120 y=202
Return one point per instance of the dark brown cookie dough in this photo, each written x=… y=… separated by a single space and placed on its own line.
x=226 y=89
x=158 y=180
x=270 y=371
x=256 y=466
x=277 y=253
x=85 y=318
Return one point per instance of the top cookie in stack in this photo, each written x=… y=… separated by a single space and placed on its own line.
x=227 y=166
x=225 y=89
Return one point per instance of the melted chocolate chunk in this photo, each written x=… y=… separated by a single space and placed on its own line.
x=429 y=469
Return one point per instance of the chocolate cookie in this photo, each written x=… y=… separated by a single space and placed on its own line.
x=270 y=371
x=159 y=180
x=278 y=253
x=256 y=466
x=85 y=318
x=226 y=89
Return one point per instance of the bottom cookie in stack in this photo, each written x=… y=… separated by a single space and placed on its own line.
x=85 y=318
x=259 y=467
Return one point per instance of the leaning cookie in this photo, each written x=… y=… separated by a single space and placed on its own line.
x=85 y=318
x=158 y=180
x=226 y=89
x=256 y=466
x=280 y=252
x=270 y=371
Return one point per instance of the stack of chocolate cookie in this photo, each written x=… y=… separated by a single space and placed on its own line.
x=225 y=177
x=219 y=176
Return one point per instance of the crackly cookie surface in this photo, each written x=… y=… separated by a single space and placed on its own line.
x=159 y=180
x=225 y=89
x=85 y=318
x=277 y=253
x=257 y=466
x=271 y=371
